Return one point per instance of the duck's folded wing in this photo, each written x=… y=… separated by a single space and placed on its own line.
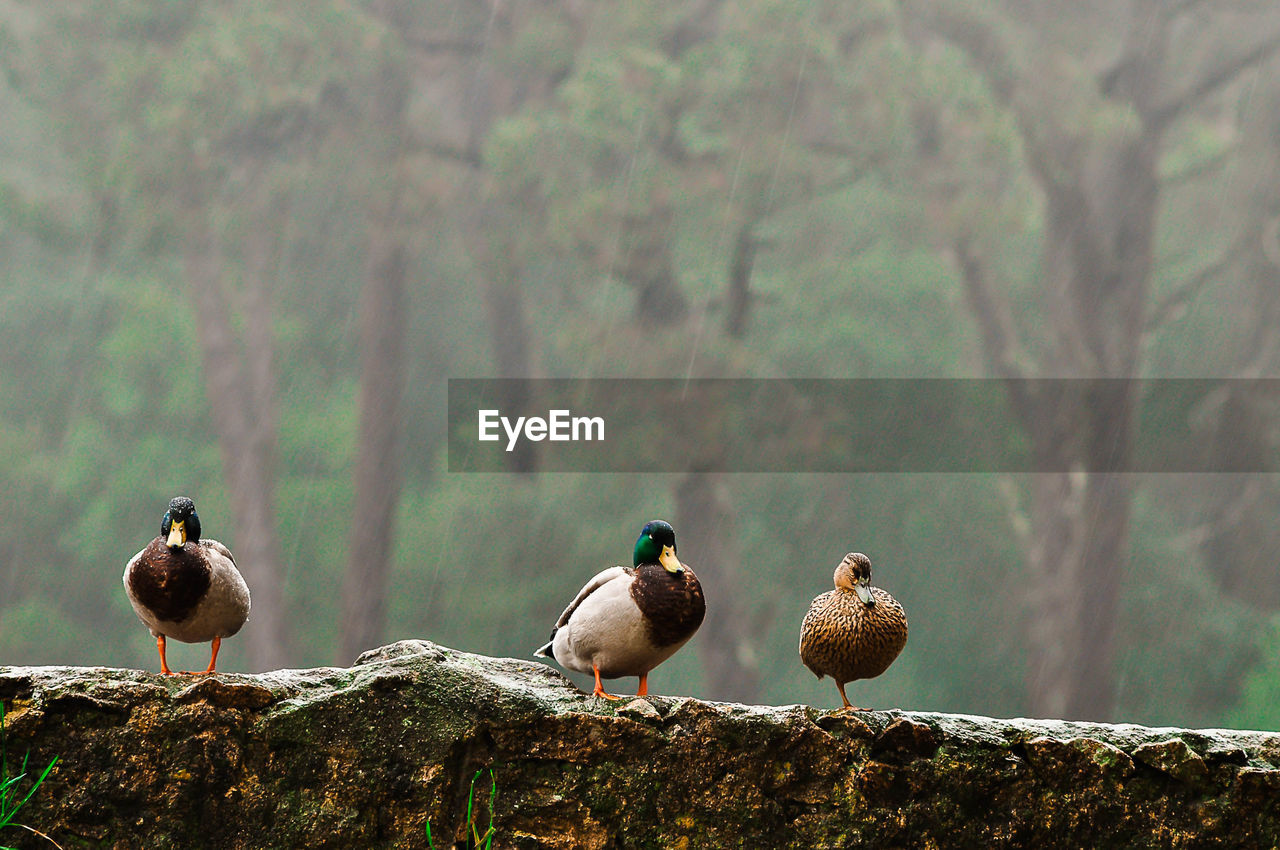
x=218 y=548
x=598 y=581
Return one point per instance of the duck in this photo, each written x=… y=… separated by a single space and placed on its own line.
x=186 y=588
x=854 y=631
x=627 y=620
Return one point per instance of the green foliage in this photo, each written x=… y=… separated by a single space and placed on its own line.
x=909 y=300
x=1259 y=703
x=611 y=139
x=476 y=839
x=37 y=630
x=139 y=430
x=11 y=797
x=931 y=547
x=517 y=552
x=1177 y=620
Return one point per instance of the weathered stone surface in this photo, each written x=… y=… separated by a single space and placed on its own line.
x=1175 y=757
x=366 y=757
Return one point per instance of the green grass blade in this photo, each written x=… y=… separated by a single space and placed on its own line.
x=6 y=810
x=37 y=783
x=493 y=796
x=471 y=793
x=477 y=840
x=4 y=740
x=9 y=802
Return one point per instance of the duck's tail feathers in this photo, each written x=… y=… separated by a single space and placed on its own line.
x=545 y=651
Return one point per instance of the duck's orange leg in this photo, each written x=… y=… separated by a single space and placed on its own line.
x=599 y=691
x=643 y=690
x=213 y=661
x=847 y=705
x=164 y=665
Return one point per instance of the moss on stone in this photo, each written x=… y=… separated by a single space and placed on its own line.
x=367 y=756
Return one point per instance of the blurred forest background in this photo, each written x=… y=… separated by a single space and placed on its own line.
x=243 y=246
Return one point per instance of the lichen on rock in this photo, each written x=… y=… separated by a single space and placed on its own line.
x=368 y=756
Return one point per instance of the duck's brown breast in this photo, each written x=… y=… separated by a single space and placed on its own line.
x=169 y=582
x=672 y=605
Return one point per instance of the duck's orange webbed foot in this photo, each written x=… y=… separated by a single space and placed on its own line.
x=848 y=707
x=599 y=691
x=164 y=664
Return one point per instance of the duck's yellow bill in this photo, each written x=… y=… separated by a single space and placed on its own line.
x=177 y=535
x=669 y=561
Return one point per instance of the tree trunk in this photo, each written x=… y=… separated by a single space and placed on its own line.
x=705 y=524
x=383 y=309
x=1079 y=528
x=739 y=291
x=1100 y=189
x=508 y=321
x=241 y=390
x=646 y=265
x=1098 y=256
x=383 y=325
x=1097 y=267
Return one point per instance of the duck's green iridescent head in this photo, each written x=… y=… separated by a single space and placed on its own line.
x=657 y=545
x=180 y=523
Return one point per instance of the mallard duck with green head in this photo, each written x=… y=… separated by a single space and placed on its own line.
x=854 y=631
x=628 y=620
x=186 y=588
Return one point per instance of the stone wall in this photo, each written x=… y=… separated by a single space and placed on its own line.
x=367 y=757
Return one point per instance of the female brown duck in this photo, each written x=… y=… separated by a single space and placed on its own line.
x=854 y=631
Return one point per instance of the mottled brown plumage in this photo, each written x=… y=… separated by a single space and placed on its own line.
x=854 y=631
